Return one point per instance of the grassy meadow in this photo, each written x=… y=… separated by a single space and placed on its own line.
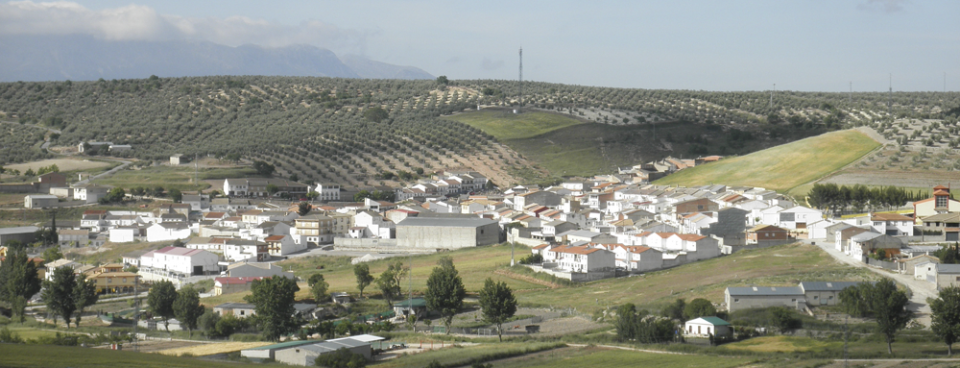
x=602 y=357
x=783 y=167
x=506 y=125
x=171 y=177
x=50 y=356
x=784 y=265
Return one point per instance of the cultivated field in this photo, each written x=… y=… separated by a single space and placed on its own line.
x=783 y=167
x=213 y=348
x=505 y=125
x=178 y=177
x=49 y=356
x=64 y=164
x=604 y=357
x=778 y=344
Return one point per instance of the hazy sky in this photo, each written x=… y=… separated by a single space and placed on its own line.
x=705 y=45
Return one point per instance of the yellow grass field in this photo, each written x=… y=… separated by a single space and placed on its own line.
x=64 y=164
x=214 y=348
x=783 y=167
x=777 y=344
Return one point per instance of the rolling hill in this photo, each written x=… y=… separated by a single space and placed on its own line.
x=315 y=127
x=783 y=167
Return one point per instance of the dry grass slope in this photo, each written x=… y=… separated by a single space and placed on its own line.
x=782 y=167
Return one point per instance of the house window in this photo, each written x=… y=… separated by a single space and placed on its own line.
x=736 y=300
x=815 y=297
x=830 y=297
x=941 y=201
x=793 y=300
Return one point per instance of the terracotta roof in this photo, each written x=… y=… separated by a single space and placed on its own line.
x=541 y=246
x=690 y=237
x=274 y=238
x=578 y=250
x=765 y=227
x=889 y=217
x=236 y=280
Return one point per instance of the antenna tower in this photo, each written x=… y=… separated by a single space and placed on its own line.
x=851 y=92
x=521 y=77
x=890 y=97
x=771 y=94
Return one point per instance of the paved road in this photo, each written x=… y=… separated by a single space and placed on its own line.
x=921 y=290
x=112 y=171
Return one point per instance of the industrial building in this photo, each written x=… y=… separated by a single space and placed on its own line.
x=447 y=233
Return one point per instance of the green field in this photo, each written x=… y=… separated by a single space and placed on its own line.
x=63 y=356
x=783 y=167
x=600 y=357
x=506 y=125
x=775 y=266
x=474 y=265
x=171 y=177
x=782 y=265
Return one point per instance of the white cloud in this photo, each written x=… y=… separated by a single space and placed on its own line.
x=887 y=6
x=138 y=22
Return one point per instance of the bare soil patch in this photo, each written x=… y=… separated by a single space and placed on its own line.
x=64 y=164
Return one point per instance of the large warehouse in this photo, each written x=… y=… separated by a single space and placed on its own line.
x=447 y=233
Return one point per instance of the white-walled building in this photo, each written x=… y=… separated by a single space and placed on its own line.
x=181 y=260
x=168 y=231
x=328 y=192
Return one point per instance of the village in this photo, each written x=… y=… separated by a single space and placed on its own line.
x=590 y=229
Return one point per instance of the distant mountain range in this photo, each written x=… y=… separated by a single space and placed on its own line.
x=78 y=58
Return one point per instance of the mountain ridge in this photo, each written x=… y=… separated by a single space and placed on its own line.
x=84 y=58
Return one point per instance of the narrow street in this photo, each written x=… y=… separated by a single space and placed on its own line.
x=920 y=290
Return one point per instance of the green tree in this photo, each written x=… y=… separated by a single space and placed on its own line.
x=784 y=319
x=674 y=310
x=161 y=298
x=263 y=168
x=58 y=293
x=445 y=291
x=272 y=189
x=699 y=308
x=187 y=308
x=497 y=303
x=157 y=191
x=84 y=295
x=946 y=316
x=443 y=80
x=626 y=322
x=318 y=287
x=375 y=114
x=303 y=208
x=312 y=195
x=364 y=278
x=342 y=358
x=19 y=280
x=175 y=195
x=52 y=254
x=273 y=300
x=882 y=302
x=389 y=282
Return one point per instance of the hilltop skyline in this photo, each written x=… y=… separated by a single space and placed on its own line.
x=748 y=45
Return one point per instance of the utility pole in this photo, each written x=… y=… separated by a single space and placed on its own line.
x=845 y=335
x=196 y=173
x=136 y=311
x=521 y=77
x=890 y=97
x=771 y=94
x=851 y=92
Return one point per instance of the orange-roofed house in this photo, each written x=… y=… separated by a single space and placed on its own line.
x=696 y=247
x=637 y=258
x=893 y=224
x=767 y=235
x=584 y=259
x=939 y=203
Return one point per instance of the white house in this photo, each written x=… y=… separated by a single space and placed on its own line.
x=707 y=326
x=123 y=234
x=795 y=218
x=583 y=259
x=167 y=231
x=242 y=250
x=181 y=260
x=637 y=258
x=328 y=192
x=892 y=224
x=281 y=245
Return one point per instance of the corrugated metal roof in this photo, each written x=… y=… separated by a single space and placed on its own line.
x=826 y=286
x=948 y=268
x=445 y=222
x=765 y=290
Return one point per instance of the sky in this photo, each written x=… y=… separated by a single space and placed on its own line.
x=720 y=45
